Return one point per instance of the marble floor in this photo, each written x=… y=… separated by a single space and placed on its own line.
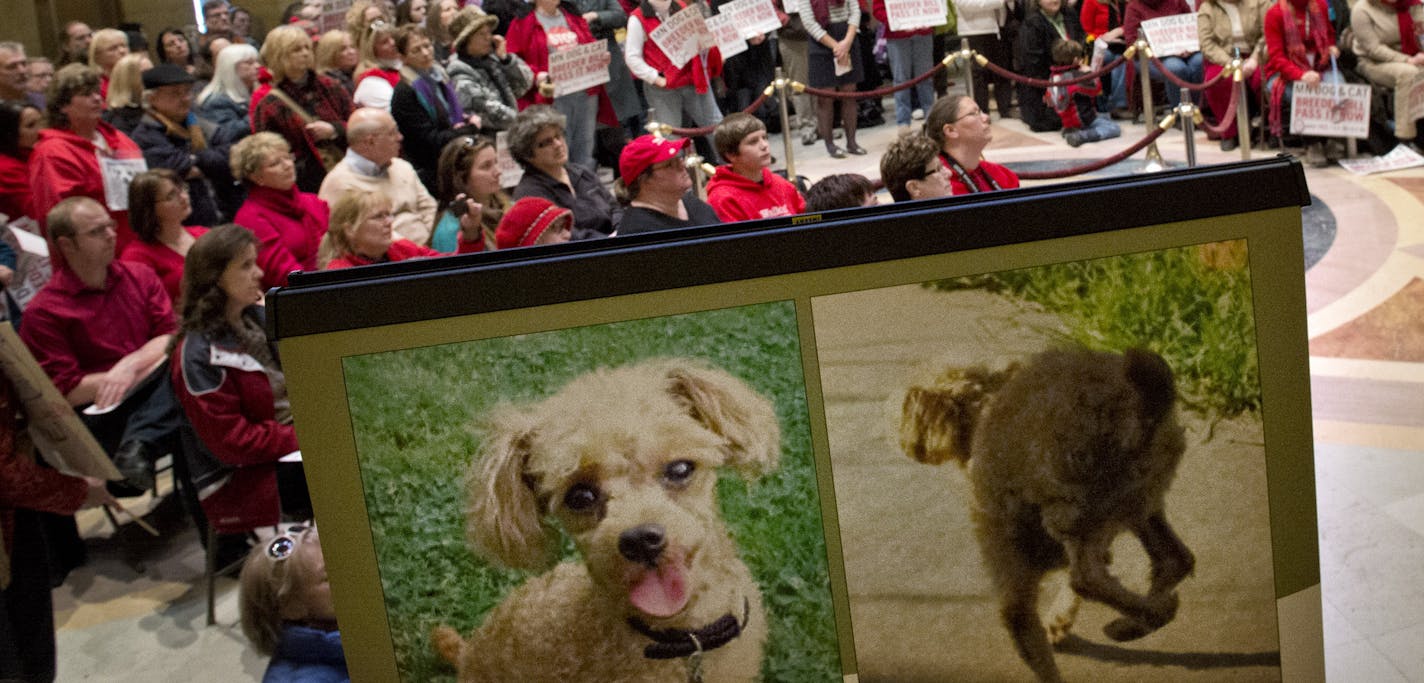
x=137 y=611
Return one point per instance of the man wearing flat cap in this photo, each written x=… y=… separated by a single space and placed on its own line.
x=172 y=137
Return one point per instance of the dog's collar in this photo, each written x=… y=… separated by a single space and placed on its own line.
x=675 y=642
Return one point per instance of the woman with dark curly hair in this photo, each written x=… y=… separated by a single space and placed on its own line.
x=230 y=384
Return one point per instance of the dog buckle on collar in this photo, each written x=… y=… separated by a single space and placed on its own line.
x=694 y=661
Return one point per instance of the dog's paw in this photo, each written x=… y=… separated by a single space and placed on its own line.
x=1162 y=608
x=1123 y=629
x=1062 y=615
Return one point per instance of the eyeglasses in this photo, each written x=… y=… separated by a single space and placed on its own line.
x=541 y=144
x=284 y=546
x=936 y=169
x=976 y=112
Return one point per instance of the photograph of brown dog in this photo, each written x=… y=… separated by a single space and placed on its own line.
x=1092 y=527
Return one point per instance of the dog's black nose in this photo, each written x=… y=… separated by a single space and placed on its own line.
x=643 y=543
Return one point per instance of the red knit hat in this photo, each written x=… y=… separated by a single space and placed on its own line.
x=645 y=151
x=526 y=220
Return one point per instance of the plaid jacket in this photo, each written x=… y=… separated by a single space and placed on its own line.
x=323 y=98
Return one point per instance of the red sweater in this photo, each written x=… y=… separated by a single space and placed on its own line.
x=65 y=165
x=168 y=264
x=1139 y=11
x=735 y=198
x=16 y=200
x=1006 y=179
x=399 y=250
x=1278 y=58
x=289 y=226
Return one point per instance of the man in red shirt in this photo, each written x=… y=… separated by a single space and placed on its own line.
x=99 y=328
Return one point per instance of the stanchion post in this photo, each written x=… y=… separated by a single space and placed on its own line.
x=1186 y=111
x=699 y=178
x=964 y=53
x=1243 y=124
x=787 y=147
x=1144 y=60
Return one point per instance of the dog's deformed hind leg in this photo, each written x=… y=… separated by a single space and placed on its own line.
x=1092 y=580
x=1172 y=562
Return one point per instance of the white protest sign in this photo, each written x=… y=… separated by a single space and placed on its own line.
x=579 y=68
x=681 y=36
x=727 y=34
x=1339 y=110
x=333 y=16
x=118 y=172
x=1172 y=35
x=1399 y=158
x=906 y=15
x=510 y=172
x=32 y=266
x=1415 y=99
x=753 y=17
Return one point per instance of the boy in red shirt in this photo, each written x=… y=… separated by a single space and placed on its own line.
x=745 y=188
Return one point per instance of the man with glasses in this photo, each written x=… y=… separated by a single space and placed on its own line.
x=373 y=164
x=75 y=40
x=14 y=72
x=41 y=74
x=193 y=148
x=99 y=329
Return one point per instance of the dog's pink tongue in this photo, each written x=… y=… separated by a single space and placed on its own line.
x=661 y=592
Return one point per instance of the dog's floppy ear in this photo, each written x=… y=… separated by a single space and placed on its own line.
x=727 y=406
x=504 y=523
x=930 y=429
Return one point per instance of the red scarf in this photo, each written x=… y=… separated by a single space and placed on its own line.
x=1316 y=31
x=1408 y=42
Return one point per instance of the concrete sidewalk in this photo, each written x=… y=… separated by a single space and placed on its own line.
x=921 y=603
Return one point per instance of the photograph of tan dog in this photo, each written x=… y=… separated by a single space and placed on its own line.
x=626 y=460
x=1064 y=451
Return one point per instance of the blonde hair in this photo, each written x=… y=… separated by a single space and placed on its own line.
x=347 y=212
x=102 y=39
x=279 y=45
x=248 y=155
x=329 y=46
x=265 y=586
x=366 y=44
x=126 y=81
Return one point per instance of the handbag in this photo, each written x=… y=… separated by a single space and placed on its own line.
x=327 y=151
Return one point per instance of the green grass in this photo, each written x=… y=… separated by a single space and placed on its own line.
x=1198 y=317
x=414 y=412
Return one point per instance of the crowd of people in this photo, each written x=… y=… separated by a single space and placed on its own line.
x=176 y=180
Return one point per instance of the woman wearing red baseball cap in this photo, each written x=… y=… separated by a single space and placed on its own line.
x=656 y=188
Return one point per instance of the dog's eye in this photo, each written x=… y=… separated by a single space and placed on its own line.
x=679 y=471
x=581 y=498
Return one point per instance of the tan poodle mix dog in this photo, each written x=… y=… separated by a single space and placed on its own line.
x=1064 y=451
x=625 y=462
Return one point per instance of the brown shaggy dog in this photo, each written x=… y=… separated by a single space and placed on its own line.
x=1064 y=451
x=625 y=461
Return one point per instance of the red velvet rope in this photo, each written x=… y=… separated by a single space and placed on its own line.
x=694 y=132
x=1040 y=83
x=1227 y=118
x=879 y=92
x=1162 y=69
x=1151 y=136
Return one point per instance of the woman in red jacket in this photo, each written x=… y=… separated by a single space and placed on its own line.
x=19 y=131
x=78 y=150
x=556 y=25
x=1300 y=43
x=232 y=390
x=679 y=95
x=288 y=223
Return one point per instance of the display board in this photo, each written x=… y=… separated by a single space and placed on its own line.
x=732 y=432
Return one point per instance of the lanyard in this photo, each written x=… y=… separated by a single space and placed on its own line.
x=964 y=176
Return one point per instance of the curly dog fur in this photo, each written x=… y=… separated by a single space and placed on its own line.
x=625 y=462
x=1064 y=451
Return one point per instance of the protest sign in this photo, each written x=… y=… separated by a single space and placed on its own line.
x=1172 y=35
x=681 y=36
x=906 y=15
x=753 y=17
x=1330 y=110
x=579 y=67
x=61 y=438
x=333 y=15
x=1400 y=157
x=727 y=34
x=510 y=172
x=32 y=267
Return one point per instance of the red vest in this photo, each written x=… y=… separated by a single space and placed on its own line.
x=692 y=72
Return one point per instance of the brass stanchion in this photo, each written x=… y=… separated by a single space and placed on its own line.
x=965 y=53
x=694 y=163
x=779 y=85
x=1190 y=116
x=1144 y=59
x=1243 y=125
